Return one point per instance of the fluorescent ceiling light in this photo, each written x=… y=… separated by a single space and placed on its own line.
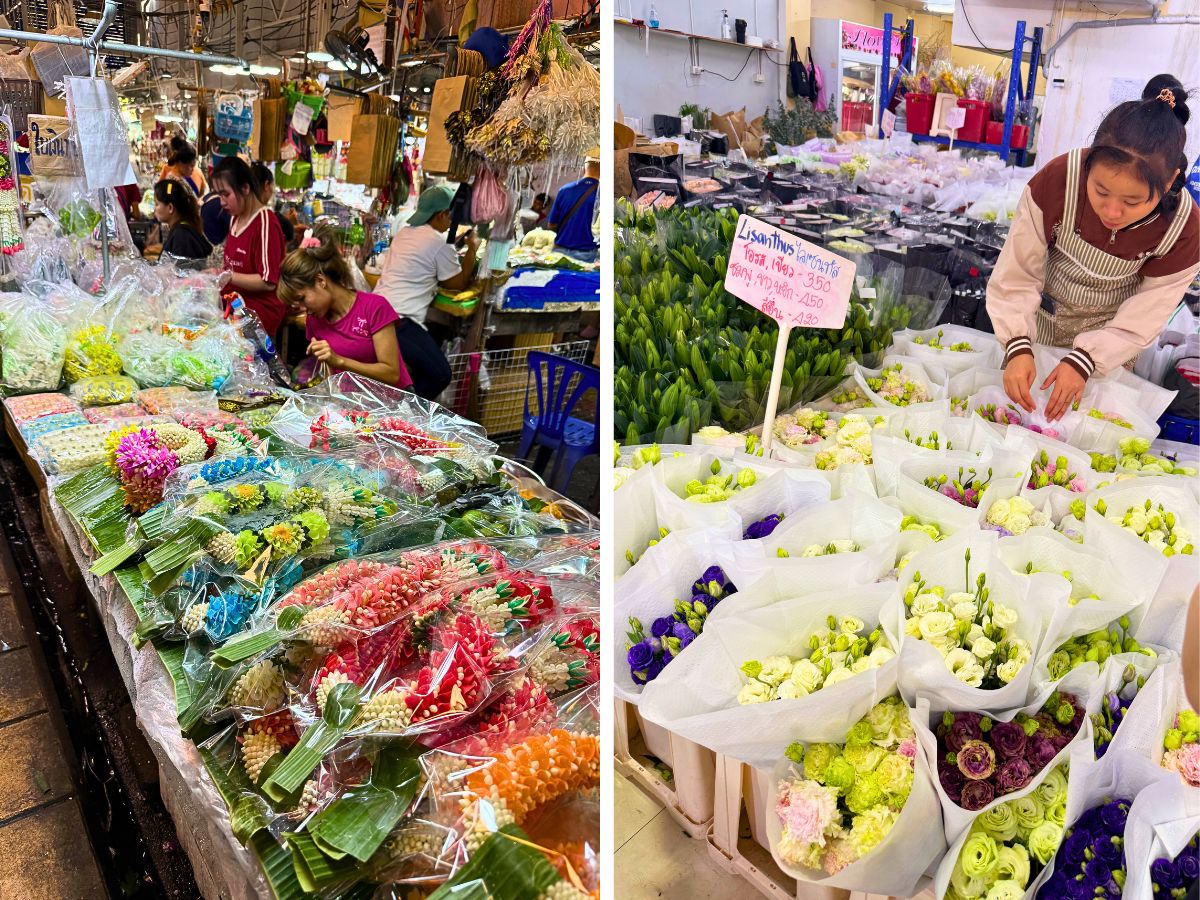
x=337 y=65
x=411 y=63
x=413 y=88
x=394 y=97
x=426 y=90
x=319 y=56
x=264 y=70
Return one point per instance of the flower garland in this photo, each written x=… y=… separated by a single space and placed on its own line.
x=91 y=351
x=11 y=239
x=848 y=797
x=969 y=630
x=837 y=654
x=980 y=759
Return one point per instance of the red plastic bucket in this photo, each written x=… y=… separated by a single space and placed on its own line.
x=918 y=112
x=1020 y=135
x=977 y=120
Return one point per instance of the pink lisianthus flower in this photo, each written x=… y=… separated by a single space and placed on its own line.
x=839 y=855
x=805 y=810
x=1187 y=763
x=949 y=491
x=908 y=749
x=1078 y=486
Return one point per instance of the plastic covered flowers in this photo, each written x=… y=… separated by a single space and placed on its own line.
x=980 y=759
x=1010 y=844
x=670 y=635
x=969 y=630
x=846 y=797
x=839 y=652
x=1182 y=747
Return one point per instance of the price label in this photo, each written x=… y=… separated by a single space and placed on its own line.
x=956 y=118
x=889 y=122
x=302 y=117
x=794 y=282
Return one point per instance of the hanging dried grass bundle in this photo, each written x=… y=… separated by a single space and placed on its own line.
x=527 y=53
x=565 y=104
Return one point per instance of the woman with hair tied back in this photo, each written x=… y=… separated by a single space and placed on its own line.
x=348 y=330
x=181 y=164
x=176 y=207
x=1103 y=244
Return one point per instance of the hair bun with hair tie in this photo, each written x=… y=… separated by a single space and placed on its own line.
x=310 y=242
x=1167 y=96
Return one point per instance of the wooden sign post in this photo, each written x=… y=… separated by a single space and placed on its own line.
x=798 y=284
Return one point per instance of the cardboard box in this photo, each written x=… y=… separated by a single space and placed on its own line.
x=52 y=147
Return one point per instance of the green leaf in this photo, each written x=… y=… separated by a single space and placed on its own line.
x=501 y=869
x=341 y=709
x=315 y=870
x=357 y=823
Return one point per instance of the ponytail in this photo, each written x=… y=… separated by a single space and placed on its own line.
x=318 y=254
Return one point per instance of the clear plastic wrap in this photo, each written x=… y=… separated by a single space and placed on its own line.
x=34 y=406
x=175 y=399
x=117 y=411
x=32 y=345
x=147 y=358
x=101 y=390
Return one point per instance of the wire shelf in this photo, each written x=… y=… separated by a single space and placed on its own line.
x=502 y=377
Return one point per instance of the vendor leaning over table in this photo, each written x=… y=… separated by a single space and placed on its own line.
x=348 y=330
x=418 y=264
x=1102 y=246
x=573 y=211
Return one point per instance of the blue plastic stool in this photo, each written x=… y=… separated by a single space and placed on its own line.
x=560 y=383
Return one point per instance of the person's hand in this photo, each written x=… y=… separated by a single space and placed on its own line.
x=1068 y=388
x=1019 y=376
x=472 y=240
x=324 y=353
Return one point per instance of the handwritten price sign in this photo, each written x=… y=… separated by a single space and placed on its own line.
x=794 y=282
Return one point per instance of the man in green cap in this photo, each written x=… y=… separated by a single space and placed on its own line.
x=418 y=263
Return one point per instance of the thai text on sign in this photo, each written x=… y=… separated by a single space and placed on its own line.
x=794 y=282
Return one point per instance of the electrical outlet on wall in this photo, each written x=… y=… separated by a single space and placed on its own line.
x=759 y=78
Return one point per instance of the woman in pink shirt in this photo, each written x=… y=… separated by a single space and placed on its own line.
x=348 y=330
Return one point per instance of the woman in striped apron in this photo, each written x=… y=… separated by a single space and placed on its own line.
x=1103 y=244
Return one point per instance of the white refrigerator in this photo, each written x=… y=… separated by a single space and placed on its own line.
x=850 y=57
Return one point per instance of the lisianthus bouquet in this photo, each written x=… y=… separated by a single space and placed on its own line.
x=653 y=542
x=1002 y=414
x=966 y=490
x=1175 y=877
x=935 y=343
x=969 y=630
x=844 y=799
x=838 y=653
x=1136 y=457
x=717 y=487
x=849 y=398
x=1045 y=472
x=670 y=635
x=1090 y=863
x=1155 y=525
x=913 y=523
x=980 y=759
x=852 y=444
x=1181 y=747
x=931 y=441
x=896 y=388
x=1096 y=646
x=1008 y=845
x=762 y=528
x=1112 y=712
x=805 y=426
x=814 y=550
x=1013 y=515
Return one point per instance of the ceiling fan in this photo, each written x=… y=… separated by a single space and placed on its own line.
x=350 y=48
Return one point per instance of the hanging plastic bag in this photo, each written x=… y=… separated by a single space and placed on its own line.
x=489 y=199
x=56 y=62
x=32 y=345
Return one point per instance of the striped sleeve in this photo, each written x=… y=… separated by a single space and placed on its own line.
x=270 y=237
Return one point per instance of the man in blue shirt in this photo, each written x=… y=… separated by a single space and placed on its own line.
x=573 y=211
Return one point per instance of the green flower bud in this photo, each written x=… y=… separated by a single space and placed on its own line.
x=715 y=467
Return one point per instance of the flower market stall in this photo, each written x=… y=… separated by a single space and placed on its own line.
x=926 y=644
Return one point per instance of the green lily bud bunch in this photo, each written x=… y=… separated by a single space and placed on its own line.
x=1096 y=646
x=935 y=343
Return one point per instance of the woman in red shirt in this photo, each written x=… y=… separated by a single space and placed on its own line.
x=349 y=330
x=254 y=249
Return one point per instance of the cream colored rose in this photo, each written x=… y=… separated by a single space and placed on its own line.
x=754 y=692
x=936 y=624
x=806 y=676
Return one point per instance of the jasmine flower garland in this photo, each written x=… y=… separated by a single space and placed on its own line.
x=648 y=655
x=969 y=630
x=845 y=798
x=838 y=653
x=1007 y=847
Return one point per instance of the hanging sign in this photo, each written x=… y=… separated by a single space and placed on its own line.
x=52 y=149
x=798 y=284
x=868 y=39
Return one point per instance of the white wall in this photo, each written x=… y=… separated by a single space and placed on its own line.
x=658 y=79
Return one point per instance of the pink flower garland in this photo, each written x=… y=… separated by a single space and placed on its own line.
x=144 y=462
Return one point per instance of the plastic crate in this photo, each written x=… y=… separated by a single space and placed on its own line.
x=689 y=796
x=24 y=97
x=743 y=849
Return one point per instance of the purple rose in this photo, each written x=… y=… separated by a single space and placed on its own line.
x=1009 y=739
x=965 y=728
x=1075 y=890
x=662 y=626
x=1165 y=873
x=685 y=634
x=1188 y=865
x=976 y=760
x=1113 y=815
x=976 y=795
x=952 y=781
x=1040 y=751
x=640 y=655
x=1013 y=775
x=1106 y=850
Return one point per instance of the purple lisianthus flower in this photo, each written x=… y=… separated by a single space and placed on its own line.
x=1105 y=849
x=1013 y=775
x=1040 y=751
x=1113 y=815
x=965 y=728
x=1008 y=738
x=656 y=666
x=1098 y=872
x=1075 y=890
x=685 y=634
x=640 y=656
x=1188 y=865
x=662 y=626
x=1072 y=850
x=708 y=600
x=1004 y=532
x=763 y=527
x=952 y=781
x=976 y=795
x=976 y=760
x=1165 y=873
x=712 y=573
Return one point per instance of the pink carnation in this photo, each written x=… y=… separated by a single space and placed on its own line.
x=1187 y=763
x=805 y=810
x=839 y=855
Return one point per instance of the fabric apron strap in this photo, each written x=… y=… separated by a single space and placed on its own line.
x=1182 y=212
x=1072 y=200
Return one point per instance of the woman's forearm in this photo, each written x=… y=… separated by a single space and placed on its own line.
x=387 y=373
x=247 y=282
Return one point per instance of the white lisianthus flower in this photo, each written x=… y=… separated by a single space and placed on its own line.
x=860 y=665
x=880 y=655
x=1009 y=670
x=960 y=597
x=1021 y=650
x=852 y=429
x=1138 y=520
x=959 y=659
x=971 y=676
x=1159 y=545
x=905 y=560
x=774 y=670
x=912 y=627
x=1119 y=521
x=1182 y=535
x=789 y=690
x=974 y=634
x=813 y=550
x=1037 y=517
x=965 y=610
x=983 y=648
x=851 y=625
x=621 y=474
x=862 y=445
x=936 y=624
x=806 y=676
x=837 y=675
x=999 y=512
x=754 y=692
x=1157 y=536
x=1003 y=616
x=925 y=603
x=1018 y=523
x=945 y=643
x=844 y=546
